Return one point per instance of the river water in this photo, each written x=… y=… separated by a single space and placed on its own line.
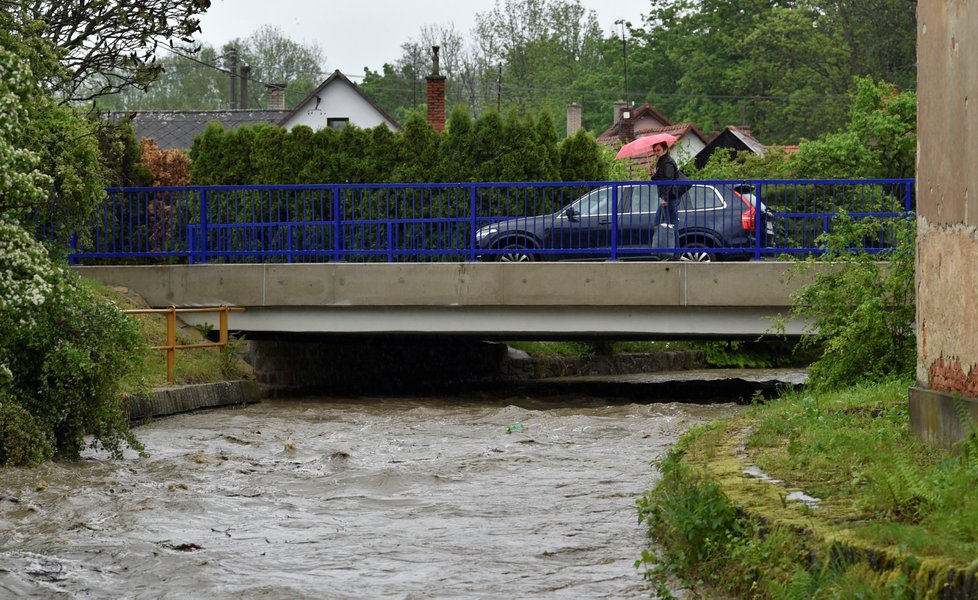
x=351 y=498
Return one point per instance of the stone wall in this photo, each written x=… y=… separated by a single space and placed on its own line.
x=392 y=364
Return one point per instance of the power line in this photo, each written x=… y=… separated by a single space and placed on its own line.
x=215 y=67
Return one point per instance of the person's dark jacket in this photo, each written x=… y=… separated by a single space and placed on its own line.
x=666 y=170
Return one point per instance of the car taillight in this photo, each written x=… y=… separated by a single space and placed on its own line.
x=748 y=220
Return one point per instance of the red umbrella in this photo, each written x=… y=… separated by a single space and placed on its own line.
x=643 y=145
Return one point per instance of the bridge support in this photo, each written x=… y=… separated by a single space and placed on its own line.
x=947 y=225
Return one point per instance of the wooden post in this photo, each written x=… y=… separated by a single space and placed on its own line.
x=223 y=334
x=171 y=342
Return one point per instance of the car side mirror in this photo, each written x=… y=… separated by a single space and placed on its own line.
x=570 y=214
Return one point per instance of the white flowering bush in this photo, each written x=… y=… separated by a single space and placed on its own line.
x=28 y=277
x=63 y=352
x=21 y=183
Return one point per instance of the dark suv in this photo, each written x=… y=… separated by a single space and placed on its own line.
x=716 y=221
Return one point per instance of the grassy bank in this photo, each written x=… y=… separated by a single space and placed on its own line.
x=196 y=365
x=893 y=517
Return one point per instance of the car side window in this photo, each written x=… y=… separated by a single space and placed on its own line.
x=645 y=199
x=596 y=203
x=701 y=197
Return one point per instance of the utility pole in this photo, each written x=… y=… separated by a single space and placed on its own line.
x=499 y=88
x=233 y=68
x=624 y=58
x=245 y=77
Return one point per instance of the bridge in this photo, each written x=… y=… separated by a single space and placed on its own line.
x=624 y=300
x=364 y=286
x=431 y=258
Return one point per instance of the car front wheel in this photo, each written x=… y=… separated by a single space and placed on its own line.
x=515 y=253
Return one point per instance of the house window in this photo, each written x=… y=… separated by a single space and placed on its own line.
x=337 y=122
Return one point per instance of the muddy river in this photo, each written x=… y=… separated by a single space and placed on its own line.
x=480 y=496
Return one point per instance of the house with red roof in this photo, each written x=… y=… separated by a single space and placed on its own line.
x=630 y=123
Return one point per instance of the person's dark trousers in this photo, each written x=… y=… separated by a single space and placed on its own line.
x=669 y=214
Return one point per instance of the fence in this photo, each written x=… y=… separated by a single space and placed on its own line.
x=752 y=219
x=172 y=346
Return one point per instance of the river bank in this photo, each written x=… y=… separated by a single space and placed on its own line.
x=818 y=495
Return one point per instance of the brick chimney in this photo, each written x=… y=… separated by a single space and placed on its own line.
x=573 y=118
x=626 y=127
x=436 y=94
x=619 y=107
x=744 y=127
x=276 y=95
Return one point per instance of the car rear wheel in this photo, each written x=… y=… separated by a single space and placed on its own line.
x=515 y=253
x=696 y=252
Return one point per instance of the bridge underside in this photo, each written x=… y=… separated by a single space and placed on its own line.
x=510 y=323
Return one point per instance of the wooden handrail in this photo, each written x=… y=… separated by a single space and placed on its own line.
x=171 y=346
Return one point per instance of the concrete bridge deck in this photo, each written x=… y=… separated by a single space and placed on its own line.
x=625 y=300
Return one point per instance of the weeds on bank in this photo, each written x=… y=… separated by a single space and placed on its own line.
x=704 y=538
x=854 y=450
x=196 y=365
x=754 y=354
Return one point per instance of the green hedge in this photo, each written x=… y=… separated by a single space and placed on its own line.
x=491 y=148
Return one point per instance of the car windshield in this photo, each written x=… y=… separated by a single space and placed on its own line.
x=595 y=203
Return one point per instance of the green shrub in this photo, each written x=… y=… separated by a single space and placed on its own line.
x=492 y=148
x=861 y=314
x=690 y=515
x=22 y=442
x=752 y=354
x=63 y=352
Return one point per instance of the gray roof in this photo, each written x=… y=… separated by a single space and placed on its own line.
x=737 y=138
x=748 y=140
x=178 y=128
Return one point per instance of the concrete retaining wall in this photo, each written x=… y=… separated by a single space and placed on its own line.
x=939 y=418
x=175 y=400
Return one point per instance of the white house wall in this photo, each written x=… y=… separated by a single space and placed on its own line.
x=686 y=148
x=337 y=101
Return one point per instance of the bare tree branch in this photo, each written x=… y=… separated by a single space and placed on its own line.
x=108 y=45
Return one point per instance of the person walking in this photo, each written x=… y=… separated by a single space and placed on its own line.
x=665 y=169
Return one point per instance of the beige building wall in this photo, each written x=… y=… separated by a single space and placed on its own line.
x=947 y=196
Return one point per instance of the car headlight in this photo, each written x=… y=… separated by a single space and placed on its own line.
x=485 y=232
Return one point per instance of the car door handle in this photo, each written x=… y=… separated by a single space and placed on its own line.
x=604 y=222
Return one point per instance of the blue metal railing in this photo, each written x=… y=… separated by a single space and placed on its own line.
x=481 y=221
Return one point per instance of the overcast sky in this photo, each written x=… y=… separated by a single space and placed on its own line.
x=367 y=33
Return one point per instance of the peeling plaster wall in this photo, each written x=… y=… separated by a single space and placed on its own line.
x=947 y=196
